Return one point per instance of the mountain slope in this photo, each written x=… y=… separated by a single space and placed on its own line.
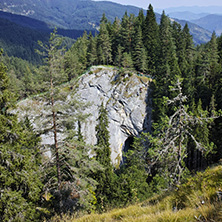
x=200 y=35
x=69 y=14
x=186 y=15
x=19 y=35
x=20 y=41
x=210 y=22
x=81 y=14
x=199 y=199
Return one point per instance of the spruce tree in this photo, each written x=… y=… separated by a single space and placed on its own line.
x=115 y=38
x=103 y=156
x=20 y=177
x=104 y=45
x=151 y=40
x=202 y=72
x=140 y=19
x=127 y=32
x=127 y=61
x=169 y=146
x=215 y=67
x=169 y=67
x=92 y=50
x=139 y=52
x=119 y=56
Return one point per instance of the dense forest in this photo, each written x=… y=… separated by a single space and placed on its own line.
x=186 y=129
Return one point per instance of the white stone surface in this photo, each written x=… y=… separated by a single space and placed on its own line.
x=125 y=102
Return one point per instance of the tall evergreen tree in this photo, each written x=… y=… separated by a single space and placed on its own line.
x=151 y=40
x=215 y=67
x=169 y=67
x=104 y=45
x=127 y=32
x=103 y=156
x=20 y=185
x=119 y=56
x=140 y=19
x=202 y=72
x=115 y=38
x=92 y=50
x=169 y=144
x=139 y=52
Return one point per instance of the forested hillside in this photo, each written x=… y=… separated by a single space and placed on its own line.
x=75 y=178
x=28 y=32
x=67 y=14
x=81 y=15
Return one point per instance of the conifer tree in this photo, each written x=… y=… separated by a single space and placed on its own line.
x=115 y=38
x=195 y=159
x=119 y=56
x=215 y=67
x=20 y=184
x=132 y=176
x=127 y=61
x=127 y=32
x=140 y=19
x=104 y=45
x=92 y=50
x=103 y=156
x=202 y=72
x=169 y=68
x=188 y=71
x=75 y=60
x=169 y=142
x=139 y=52
x=151 y=40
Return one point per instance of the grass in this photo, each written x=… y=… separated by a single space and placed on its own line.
x=196 y=200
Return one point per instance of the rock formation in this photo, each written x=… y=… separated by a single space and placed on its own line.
x=124 y=94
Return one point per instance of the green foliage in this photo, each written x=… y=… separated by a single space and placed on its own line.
x=127 y=61
x=20 y=182
x=104 y=178
x=151 y=41
x=203 y=188
x=169 y=145
x=77 y=185
x=132 y=183
x=104 y=45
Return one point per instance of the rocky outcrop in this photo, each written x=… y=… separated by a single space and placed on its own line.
x=123 y=94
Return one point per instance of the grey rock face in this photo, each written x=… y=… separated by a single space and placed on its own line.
x=124 y=96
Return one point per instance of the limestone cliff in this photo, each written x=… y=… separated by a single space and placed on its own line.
x=125 y=97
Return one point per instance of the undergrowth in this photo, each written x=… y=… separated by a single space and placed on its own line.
x=198 y=199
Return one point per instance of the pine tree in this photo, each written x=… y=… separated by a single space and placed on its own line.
x=54 y=53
